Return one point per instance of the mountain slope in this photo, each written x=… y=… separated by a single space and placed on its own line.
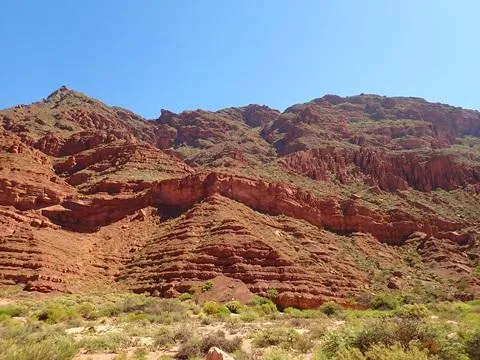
x=337 y=198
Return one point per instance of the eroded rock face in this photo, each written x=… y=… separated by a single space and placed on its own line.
x=27 y=178
x=390 y=123
x=217 y=138
x=330 y=200
x=390 y=172
x=220 y=236
x=56 y=146
x=339 y=216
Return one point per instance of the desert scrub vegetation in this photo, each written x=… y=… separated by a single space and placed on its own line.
x=287 y=339
x=11 y=311
x=197 y=346
x=132 y=326
x=384 y=301
x=34 y=341
x=398 y=338
x=207 y=286
x=263 y=305
x=109 y=342
x=215 y=309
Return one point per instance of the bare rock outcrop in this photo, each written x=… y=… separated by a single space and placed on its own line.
x=328 y=200
x=390 y=172
x=217 y=354
x=175 y=195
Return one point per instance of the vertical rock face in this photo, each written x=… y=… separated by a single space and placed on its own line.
x=390 y=172
x=327 y=200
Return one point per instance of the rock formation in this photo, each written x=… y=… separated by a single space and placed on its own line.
x=333 y=199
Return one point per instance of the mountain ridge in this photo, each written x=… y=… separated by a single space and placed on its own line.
x=313 y=183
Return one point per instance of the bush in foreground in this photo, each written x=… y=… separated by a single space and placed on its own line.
x=472 y=346
x=389 y=335
x=198 y=347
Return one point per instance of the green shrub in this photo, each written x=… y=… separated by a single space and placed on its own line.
x=303 y=344
x=285 y=338
x=165 y=337
x=140 y=354
x=87 y=311
x=407 y=298
x=259 y=300
x=476 y=271
x=190 y=349
x=330 y=308
x=218 y=339
x=110 y=310
x=137 y=317
x=263 y=306
x=207 y=286
x=361 y=338
x=160 y=305
x=388 y=334
x=165 y=311
x=302 y=314
x=110 y=342
x=5 y=318
x=244 y=355
x=248 y=315
x=318 y=331
x=234 y=306
x=55 y=312
x=167 y=318
x=437 y=339
x=384 y=302
x=134 y=302
x=214 y=309
x=267 y=309
x=335 y=341
x=185 y=296
x=276 y=354
x=375 y=332
x=450 y=308
x=272 y=294
x=293 y=312
x=127 y=304
x=34 y=341
x=198 y=347
x=54 y=348
x=396 y=352
x=418 y=311
x=11 y=310
x=182 y=334
x=472 y=345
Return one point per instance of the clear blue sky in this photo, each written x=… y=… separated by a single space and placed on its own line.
x=184 y=54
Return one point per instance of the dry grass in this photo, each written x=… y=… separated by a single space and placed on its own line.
x=135 y=326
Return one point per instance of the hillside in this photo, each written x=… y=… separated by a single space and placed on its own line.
x=334 y=199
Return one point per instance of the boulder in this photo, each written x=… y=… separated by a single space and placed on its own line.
x=217 y=354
